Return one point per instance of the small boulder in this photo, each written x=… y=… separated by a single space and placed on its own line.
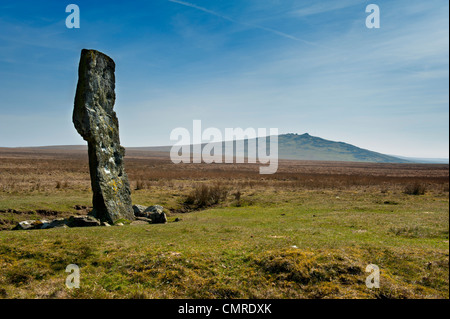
x=144 y=219
x=158 y=218
x=154 y=213
x=29 y=224
x=58 y=222
x=82 y=221
x=154 y=209
x=139 y=210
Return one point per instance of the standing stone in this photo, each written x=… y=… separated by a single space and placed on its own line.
x=96 y=121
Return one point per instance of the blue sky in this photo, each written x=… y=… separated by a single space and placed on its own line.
x=299 y=66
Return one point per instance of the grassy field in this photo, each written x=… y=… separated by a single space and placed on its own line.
x=308 y=231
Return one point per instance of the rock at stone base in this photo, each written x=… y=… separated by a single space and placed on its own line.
x=139 y=210
x=143 y=211
x=155 y=213
x=154 y=209
x=158 y=218
x=73 y=221
x=144 y=215
x=82 y=221
x=144 y=219
x=58 y=222
x=30 y=224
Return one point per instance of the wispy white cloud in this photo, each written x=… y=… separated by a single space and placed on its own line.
x=251 y=25
x=23 y=35
x=318 y=7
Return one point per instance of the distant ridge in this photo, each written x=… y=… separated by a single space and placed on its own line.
x=291 y=147
x=306 y=147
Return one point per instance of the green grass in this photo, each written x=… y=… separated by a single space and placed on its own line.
x=277 y=244
x=55 y=200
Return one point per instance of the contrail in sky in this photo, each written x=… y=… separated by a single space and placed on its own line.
x=285 y=35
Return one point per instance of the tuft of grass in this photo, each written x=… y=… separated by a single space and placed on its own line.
x=415 y=189
x=306 y=267
x=205 y=195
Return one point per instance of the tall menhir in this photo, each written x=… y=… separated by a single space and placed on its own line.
x=96 y=121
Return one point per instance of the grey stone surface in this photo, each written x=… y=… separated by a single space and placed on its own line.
x=144 y=219
x=58 y=222
x=72 y=221
x=158 y=217
x=144 y=211
x=154 y=209
x=30 y=224
x=154 y=214
x=95 y=120
x=82 y=221
x=139 y=210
